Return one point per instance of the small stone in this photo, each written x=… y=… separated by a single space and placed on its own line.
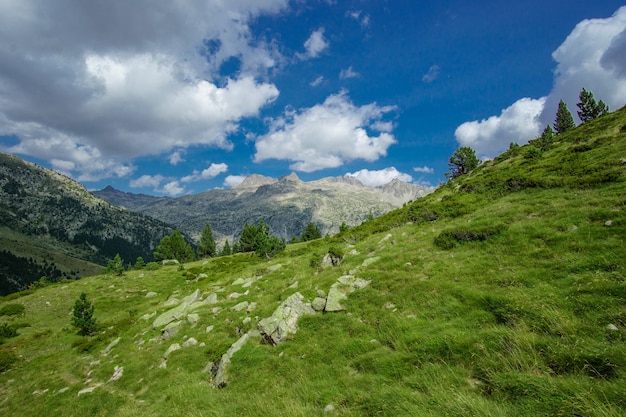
x=151 y=294
x=319 y=304
x=251 y=307
x=201 y=276
x=211 y=299
x=62 y=390
x=241 y=306
x=174 y=347
x=608 y=223
x=294 y=285
x=209 y=328
x=612 y=327
x=163 y=365
x=111 y=346
x=329 y=408
x=320 y=293
x=246 y=321
x=190 y=342
x=117 y=373
x=193 y=319
x=234 y=296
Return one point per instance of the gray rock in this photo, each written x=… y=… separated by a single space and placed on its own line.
x=211 y=299
x=219 y=369
x=612 y=327
x=118 y=371
x=190 y=342
x=284 y=320
x=368 y=261
x=320 y=293
x=251 y=307
x=318 y=304
x=171 y=329
x=151 y=294
x=111 y=346
x=608 y=223
x=209 y=328
x=174 y=347
x=241 y=306
x=339 y=291
x=234 y=296
x=193 y=319
x=147 y=317
x=170 y=262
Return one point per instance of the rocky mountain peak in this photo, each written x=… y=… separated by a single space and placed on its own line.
x=255 y=181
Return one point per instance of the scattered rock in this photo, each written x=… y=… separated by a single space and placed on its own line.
x=172 y=301
x=163 y=365
x=246 y=321
x=608 y=223
x=147 y=317
x=294 y=285
x=209 y=328
x=251 y=307
x=612 y=327
x=329 y=260
x=211 y=299
x=170 y=262
x=234 y=296
x=118 y=371
x=151 y=294
x=201 y=276
x=62 y=390
x=284 y=320
x=367 y=262
x=88 y=390
x=193 y=319
x=241 y=306
x=387 y=237
x=329 y=408
x=275 y=267
x=238 y=281
x=339 y=291
x=219 y=370
x=318 y=304
x=190 y=342
x=389 y=306
x=171 y=329
x=111 y=346
x=320 y=293
x=174 y=347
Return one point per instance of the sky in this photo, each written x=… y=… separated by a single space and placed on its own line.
x=178 y=97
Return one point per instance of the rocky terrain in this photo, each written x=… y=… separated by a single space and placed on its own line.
x=287 y=204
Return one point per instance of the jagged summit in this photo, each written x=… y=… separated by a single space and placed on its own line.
x=255 y=181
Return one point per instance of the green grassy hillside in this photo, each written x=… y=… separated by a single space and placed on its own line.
x=501 y=294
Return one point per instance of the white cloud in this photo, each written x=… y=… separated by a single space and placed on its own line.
x=315 y=45
x=431 y=75
x=348 y=73
x=591 y=57
x=517 y=123
x=380 y=177
x=152 y=181
x=172 y=189
x=425 y=170
x=359 y=16
x=211 y=172
x=117 y=81
x=233 y=180
x=317 y=81
x=177 y=157
x=326 y=135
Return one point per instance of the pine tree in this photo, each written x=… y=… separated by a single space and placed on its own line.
x=462 y=161
x=589 y=109
x=311 y=232
x=139 y=263
x=544 y=142
x=564 y=120
x=82 y=316
x=174 y=246
x=206 y=248
x=115 y=265
x=226 y=249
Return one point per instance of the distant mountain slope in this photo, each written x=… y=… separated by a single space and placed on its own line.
x=42 y=211
x=287 y=204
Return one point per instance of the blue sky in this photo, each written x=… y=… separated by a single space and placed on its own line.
x=170 y=98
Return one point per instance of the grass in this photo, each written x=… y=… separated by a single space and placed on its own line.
x=516 y=318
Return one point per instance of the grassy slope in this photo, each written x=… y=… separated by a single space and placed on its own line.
x=513 y=325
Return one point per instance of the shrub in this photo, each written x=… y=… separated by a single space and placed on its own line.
x=152 y=266
x=85 y=344
x=7 y=331
x=7 y=358
x=82 y=316
x=532 y=153
x=12 y=310
x=449 y=238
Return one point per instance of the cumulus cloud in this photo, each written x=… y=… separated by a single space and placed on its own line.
x=517 y=123
x=314 y=45
x=233 y=180
x=380 y=177
x=348 y=73
x=424 y=170
x=317 y=81
x=152 y=181
x=592 y=56
x=111 y=82
x=177 y=157
x=431 y=75
x=172 y=189
x=327 y=135
x=211 y=172
x=359 y=16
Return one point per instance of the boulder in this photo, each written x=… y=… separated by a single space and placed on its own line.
x=171 y=329
x=241 y=306
x=318 y=304
x=284 y=320
x=174 y=347
x=339 y=291
x=151 y=294
x=219 y=370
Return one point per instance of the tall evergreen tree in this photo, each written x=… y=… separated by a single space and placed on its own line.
x=207 y=248
x=462 y=161
x=564 y=120
x=544 y=142
x=174 y=246
x=82 y=316
x=226 y=249
x=311 y=232
x=115 y=265
x=589 y=109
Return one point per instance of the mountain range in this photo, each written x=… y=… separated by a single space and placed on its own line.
x=286 y=204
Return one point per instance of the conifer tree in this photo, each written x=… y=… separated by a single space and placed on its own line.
x=544 y=142
x=206 y=248
x=82 y=316
x=174 y=246
x=564 y=120
x=226 y=249
x=589 y=109
x=462 y=161
x=311 y=232
x=115 y=265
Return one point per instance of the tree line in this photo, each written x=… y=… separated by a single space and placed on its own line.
x=464 y=159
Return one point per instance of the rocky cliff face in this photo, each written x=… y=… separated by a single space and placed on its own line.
x=44 y=204
x=287 y=204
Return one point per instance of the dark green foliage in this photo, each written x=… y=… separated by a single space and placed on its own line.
x=343 y=227
x=115 y=265
x=532 y=153
x=18 y=273
x=13 y=309
x=139 y=263
x=152 y=266
x=206 y=248
x=311 y=232
x=226 y=249
x=564 y=120
x=462 y=161
x=85 y=344
x=545 y=141
x=7 y=331
x=589 y=109
x=7 y=359
x=174 y=247
x=258 y=239
x=448 y=239
x=82 y=316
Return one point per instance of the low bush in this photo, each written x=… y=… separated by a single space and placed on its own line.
x=448 y=239
x=12 y=310
x=7 y=359
x=7 y=331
